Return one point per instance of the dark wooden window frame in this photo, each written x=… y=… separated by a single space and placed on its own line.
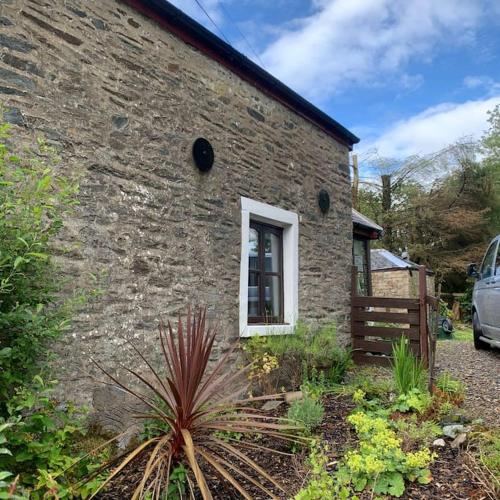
x=368 y=274
x=261 y=227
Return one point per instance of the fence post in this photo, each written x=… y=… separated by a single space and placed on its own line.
x=422 y=293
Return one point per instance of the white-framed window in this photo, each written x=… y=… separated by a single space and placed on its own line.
x=269 y=235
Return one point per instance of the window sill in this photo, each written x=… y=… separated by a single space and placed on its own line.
x=264 y=330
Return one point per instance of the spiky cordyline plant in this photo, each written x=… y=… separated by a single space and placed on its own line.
x=194 y=404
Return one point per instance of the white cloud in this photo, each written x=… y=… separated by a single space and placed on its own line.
x=348 y=42
x=434 y=129
x=482 y=82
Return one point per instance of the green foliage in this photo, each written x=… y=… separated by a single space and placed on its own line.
x=39 y=435
x=489 y=453
x=41 y=439
x=416 y=433
x=307 y=413
x=177 y=486
x=408 y=370
x=449 y=385
x=466 y=304
x=322 y=485
x=413 y=400
x=302 y=356
x=374 y=382
x=379 y=462
x=34 y=199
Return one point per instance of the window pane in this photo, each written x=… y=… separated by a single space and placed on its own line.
x=360 y=261
x=272 y=295
x=253 y=294
x=272 y=248
x=497 y=265
x=253 y=249
x=487 y=267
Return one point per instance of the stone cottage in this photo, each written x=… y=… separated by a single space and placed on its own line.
x=204 y=179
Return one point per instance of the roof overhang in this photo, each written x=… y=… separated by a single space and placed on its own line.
x=193 y=33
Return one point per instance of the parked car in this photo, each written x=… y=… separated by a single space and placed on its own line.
x=486 y=298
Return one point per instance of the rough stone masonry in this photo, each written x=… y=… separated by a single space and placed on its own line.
x=123 y=100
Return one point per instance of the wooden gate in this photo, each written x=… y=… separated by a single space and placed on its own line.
x=377 y=322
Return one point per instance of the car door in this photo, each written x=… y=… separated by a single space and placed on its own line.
x=483 y=290
x=493 y=301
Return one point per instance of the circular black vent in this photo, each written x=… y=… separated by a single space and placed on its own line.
x=324 y=200
x=203 y=154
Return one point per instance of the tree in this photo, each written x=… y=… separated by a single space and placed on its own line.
x=444 y=208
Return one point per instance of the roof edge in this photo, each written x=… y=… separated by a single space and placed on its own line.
x=193 y=33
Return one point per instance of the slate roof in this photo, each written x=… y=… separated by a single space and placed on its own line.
x=365 y=222
x=383 y=259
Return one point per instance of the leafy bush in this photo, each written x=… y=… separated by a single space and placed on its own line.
x=34 y=198
x=449 y=385
x=196 y=404
x=322 y=485
x=301 y=356
x=414 y=432
x=408 y=370
x=465 y=302
x=414 y=400
x=37 y=433
x=307 y=413
x=41 y=439
x=379 y=462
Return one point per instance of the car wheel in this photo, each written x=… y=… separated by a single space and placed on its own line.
x=476 y=327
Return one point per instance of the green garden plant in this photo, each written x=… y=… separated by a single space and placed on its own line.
x=379 y=462
x=449 y=385
x=34 y=199
x=323 y=484
x=42 y=439
x=408 y=370
x=303 y=356
x=196 y=404
x=39 y=435
x=307 y=413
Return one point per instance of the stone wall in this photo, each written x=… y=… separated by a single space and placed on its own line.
x=399 y=283
x=123 y=101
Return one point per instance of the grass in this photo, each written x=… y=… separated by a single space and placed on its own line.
x=461 y=332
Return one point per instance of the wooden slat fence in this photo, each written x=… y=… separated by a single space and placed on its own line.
x=377 y=322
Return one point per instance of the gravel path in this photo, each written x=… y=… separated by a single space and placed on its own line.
x=479 y=371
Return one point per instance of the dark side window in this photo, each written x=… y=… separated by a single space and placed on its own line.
x=360 y=257
x=265 y=273
x=487 y=267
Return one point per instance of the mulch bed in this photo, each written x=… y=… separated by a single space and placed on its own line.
x=451 y=479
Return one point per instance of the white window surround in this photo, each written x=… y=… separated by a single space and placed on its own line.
x=289 y=221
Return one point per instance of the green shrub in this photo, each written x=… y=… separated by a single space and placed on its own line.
x=379 y=462
x=414 y=400
x=416 y=433
x=42 y=439
x=408 y=370
x=321 y=484
x=449 y=385
x=34 y=199
x=306 y=412
x=298 y=357
x=37 y=434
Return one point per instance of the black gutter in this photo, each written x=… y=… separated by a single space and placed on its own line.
x=194 y=33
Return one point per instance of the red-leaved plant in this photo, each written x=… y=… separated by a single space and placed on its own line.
x=194 y=405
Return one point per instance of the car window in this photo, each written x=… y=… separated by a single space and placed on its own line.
x=487 y=268
x=497 y=264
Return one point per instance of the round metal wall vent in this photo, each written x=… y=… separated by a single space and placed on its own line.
x=324 y=200
x=203 y=154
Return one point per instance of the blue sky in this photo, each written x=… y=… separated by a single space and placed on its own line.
x=407 y=76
